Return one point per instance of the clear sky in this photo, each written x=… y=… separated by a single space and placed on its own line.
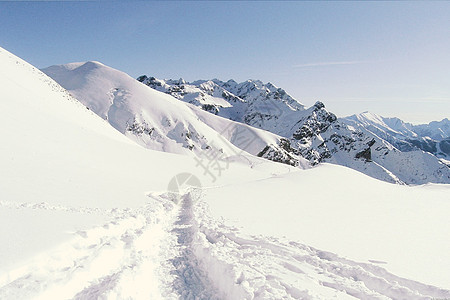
x=390 y=58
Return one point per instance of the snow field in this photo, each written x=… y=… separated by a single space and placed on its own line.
x=336 y=209
x=168 y=251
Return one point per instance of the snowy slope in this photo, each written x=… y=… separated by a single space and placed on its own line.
x=156 y=120
x=314 y=133
x=152 y=119
x=88 y=214
x=391 y=226
x=56 y=158
x=433 y=137
x=63 y=168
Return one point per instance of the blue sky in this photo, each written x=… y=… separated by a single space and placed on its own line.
x=390 y=58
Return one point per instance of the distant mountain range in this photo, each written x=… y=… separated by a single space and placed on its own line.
x=404 y=153
x=253 y=118
x=433 y=137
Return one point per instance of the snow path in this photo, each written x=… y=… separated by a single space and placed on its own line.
x=170 y=250
x=247 y=267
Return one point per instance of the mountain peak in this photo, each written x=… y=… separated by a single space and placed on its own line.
x=319 y=105
x=87 y=65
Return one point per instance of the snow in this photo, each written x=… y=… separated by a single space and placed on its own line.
x=404 y=136
x=153 y=119
x=402 y=149
x=24 y=240
x=437 y=130
x=61 y=162
x=55 y=151
x=252 y=102
x=159 y=122
x=338 y=210
x=87 y=213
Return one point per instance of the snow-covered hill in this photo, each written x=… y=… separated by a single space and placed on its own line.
x=158 y=121
x=314 y=133
x=433 y=137
x=86 y=214
x=150 y=118
x=57 y=157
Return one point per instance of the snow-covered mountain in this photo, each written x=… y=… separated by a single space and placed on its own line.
x=252 y=102
x=265 y=121
x=86 y=213
x=437 y=130
x=314 y=133
x=158 y=121
x=433 y=137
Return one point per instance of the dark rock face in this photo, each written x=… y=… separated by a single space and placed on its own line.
x=285 y=144
x=140 y=129
x=142 y=78
x=365 y=154
x=316 y=123
x=319 y=105
x=444 y=146
x=210 y=108
x=277 y=154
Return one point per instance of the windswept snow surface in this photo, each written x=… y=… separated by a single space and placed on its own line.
x=402 y=229
x=87 y=214
x=176 y=250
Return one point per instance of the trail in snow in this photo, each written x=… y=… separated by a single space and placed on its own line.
x=247 y=267
x=166 y=250
x=191 y=281
x=140 y=254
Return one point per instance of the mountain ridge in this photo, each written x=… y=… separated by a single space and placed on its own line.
x=156 y=120
x=433 y=137
x=313 y=133
x=169 y=115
